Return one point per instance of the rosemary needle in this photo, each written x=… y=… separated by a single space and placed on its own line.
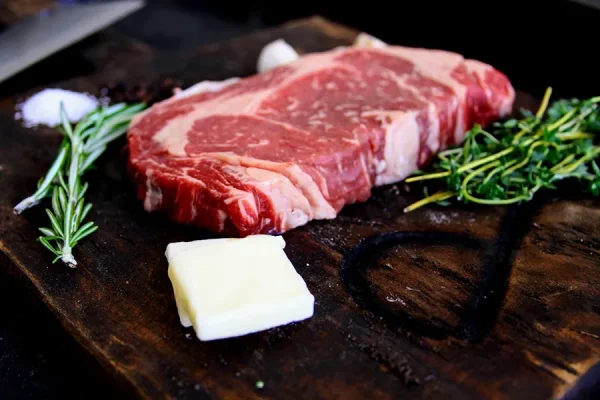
x=81 y=146
x=518 y=157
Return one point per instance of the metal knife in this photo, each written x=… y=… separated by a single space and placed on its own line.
x=35 y=38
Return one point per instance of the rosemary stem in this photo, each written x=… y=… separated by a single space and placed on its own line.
x=25 y=204
x=67 y=257
x=81 y=146
x=44 y=188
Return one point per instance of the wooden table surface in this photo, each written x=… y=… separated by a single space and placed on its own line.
x=459 y=302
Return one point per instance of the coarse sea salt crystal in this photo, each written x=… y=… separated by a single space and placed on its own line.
x=43 y=108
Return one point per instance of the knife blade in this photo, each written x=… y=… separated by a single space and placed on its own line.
x=36 y=37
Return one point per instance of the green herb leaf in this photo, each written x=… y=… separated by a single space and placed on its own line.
x=518 y=157
x=80 y=148
x=49 y=246
x=47 y=231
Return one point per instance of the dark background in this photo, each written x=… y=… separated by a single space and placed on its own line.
x=536 y=43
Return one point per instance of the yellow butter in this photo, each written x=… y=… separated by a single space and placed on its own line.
x=233 y=287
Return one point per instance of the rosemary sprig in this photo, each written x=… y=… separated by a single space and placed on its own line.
x=81 y=146
x=518 y=157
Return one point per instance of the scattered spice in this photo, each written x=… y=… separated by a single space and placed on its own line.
x=148 y=93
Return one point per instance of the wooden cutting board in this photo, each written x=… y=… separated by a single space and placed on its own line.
x=459 y=302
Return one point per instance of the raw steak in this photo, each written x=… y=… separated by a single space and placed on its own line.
x=270 y=152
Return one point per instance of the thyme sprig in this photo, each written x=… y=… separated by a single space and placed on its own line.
x=516 y=158
x=81 y=146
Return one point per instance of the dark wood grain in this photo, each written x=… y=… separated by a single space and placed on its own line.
x=460 y=302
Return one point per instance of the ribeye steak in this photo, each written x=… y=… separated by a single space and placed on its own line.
x=272 y=151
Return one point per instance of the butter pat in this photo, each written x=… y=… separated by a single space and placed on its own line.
x=233 y=287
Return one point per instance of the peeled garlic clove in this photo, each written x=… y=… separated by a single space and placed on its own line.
x=275 y=54
x=366 y=40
